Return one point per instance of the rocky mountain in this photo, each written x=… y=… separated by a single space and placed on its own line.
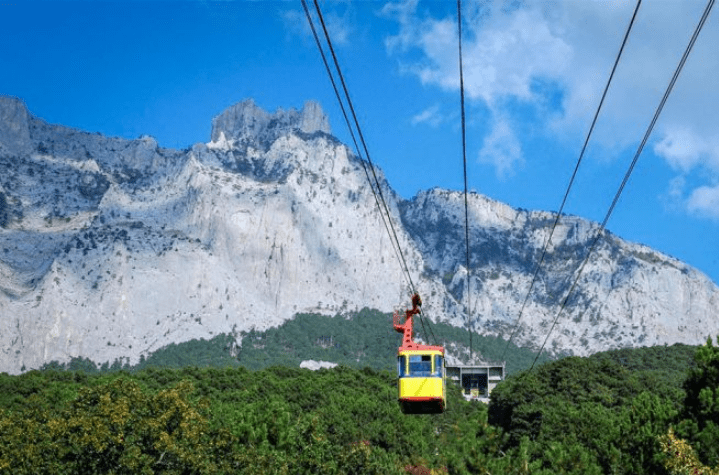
x=113 y=248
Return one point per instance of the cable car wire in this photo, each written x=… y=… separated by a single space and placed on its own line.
x=464 y=162
x=362 y=141
x=349 y=125
x=571 y=180
x=629 y=171
x=352 y=135
x=391 y=230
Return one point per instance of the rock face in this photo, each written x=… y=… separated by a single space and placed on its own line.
x=113 y=248
x=15 y=132
x=245 y=122
x=627 y=295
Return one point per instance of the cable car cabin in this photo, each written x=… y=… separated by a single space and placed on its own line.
x=420 y=369
x=421 y=381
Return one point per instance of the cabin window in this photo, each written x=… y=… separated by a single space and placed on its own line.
x=420 y=365
x=437 y=365
x=401 y=366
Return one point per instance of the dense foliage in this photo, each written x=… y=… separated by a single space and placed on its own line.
x=216 y=352
x=357 y=340
x=587 y=415
x=209 y=420
x=700 y=414
x=642 y=411
x=364 y=339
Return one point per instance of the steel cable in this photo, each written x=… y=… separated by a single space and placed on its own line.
x=629 y=171
x=574 y=174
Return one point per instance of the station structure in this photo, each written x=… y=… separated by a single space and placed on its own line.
x=477 y=381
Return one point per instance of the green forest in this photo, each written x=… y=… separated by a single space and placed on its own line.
x=356 y=340
x=642 y=411
x=366 y=338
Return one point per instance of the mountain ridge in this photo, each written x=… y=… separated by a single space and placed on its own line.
x=113 y=248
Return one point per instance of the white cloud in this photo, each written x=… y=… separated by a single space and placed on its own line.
x=504 y=59
x=504 y=52
x=695 y=157
x=430 y=116
x=340 y=29
x=676 y=188
x=502 y=150
x=295 y=22
x=339 y=23
x=682 y=148
x=509 y=46
x=404 y=13
x=704 y=201
x=502 y=55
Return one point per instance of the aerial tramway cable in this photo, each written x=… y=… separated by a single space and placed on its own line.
x=379 y=197
x=629 y=171
x=464 y=162
x=574 y=174
x=349 y=125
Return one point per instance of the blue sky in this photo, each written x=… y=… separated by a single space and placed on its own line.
x=534 y=72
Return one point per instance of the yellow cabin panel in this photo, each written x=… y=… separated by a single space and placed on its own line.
x=432 y=387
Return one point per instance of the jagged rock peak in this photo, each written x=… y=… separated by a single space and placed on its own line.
x=12 y=103
x=440 y=197
x=246 y=121
x=14 y=129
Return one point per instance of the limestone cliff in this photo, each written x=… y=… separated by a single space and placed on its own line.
x=112 y=248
